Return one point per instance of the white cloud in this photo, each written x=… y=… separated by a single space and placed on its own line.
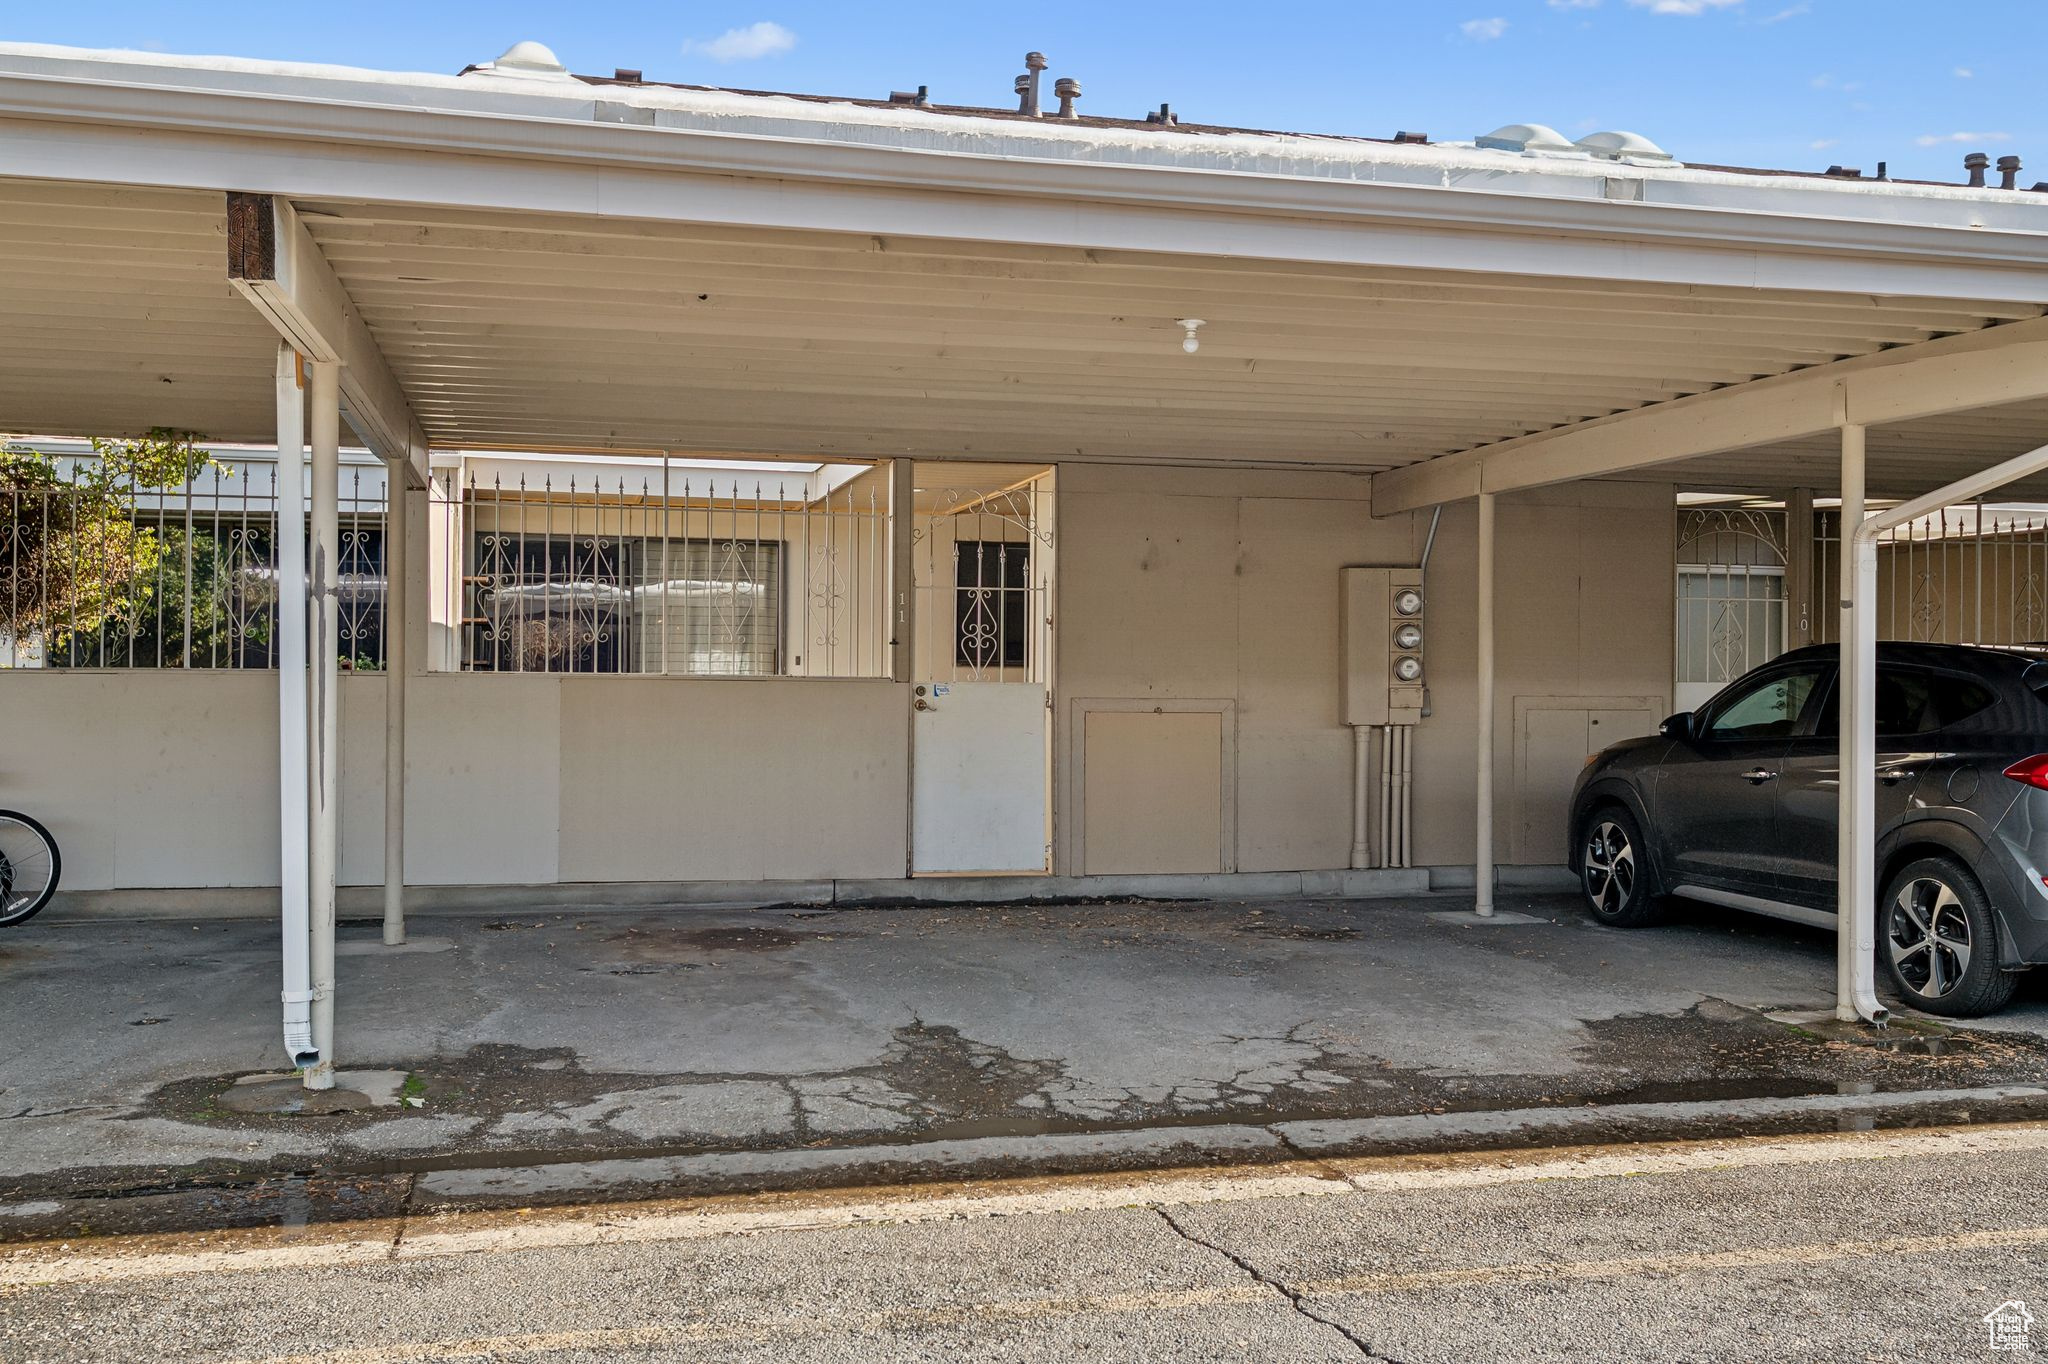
x=1483 y=30
x=755 y=41
x=1964 y=73
x=1828 y=82
x=1682 y=6
x=1939 y=139
x=1782 y=15
x=1821 y=144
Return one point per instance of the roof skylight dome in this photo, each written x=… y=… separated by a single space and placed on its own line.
x=1526 y=137
x=526 y=61
x=1618 y=146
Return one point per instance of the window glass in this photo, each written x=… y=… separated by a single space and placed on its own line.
x=1912 y=701
x=1768 y=709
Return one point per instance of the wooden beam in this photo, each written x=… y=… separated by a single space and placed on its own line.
x=278 y=267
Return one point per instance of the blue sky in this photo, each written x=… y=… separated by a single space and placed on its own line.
x=1782 y=83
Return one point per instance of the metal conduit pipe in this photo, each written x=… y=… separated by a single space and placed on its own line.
x=1387 y=797
x=1436 y=517
x=1856 y=969
x=1361 y=806
x=1407 y=802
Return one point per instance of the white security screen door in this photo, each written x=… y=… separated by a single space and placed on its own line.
x=977 y=796
x=982 y=562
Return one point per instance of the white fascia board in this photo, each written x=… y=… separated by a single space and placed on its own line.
x=80 y=130
x=2004 y=364
x=305 y=301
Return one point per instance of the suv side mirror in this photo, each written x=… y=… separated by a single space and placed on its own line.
x=1678 y=726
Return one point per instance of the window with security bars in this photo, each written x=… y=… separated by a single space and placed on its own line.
x=100 y=570
x=594 y=604
x=992 y=603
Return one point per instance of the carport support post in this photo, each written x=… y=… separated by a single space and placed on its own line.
x=1482 y=871
x=1856 y=747
x=325 y=394
x=398 y=502
x=294 y=720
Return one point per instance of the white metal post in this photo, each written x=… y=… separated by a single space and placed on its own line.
x=294 y=809
x=324 y=560
x=1856 y=748
x=1856 y=976
x=398 y=526
x=1482 y=870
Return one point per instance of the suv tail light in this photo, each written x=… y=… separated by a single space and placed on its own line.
x=2031 y=771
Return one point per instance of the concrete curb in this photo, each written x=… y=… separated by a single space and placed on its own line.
x=260 y=902
x=1199 y=1145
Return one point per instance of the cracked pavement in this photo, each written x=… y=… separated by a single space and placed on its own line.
x=646 y=1052
x=1530 y=1258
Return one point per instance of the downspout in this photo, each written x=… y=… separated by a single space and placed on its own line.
x=1858 y=850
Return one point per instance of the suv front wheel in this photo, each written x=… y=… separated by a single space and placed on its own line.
x=1613 y=872
x=1940 y=940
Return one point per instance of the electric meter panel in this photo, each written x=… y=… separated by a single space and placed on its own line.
x=1406 y=675
x=1384 y=634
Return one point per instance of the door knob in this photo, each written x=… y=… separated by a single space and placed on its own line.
x=923 y=704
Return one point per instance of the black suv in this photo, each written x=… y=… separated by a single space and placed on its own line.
x=1735 y=804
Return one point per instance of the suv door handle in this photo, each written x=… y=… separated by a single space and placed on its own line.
x=1759 y=775
x=1896 y=775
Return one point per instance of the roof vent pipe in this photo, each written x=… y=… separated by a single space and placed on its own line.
x=1976 y=163
x=2008 y=172
x=920 y=97
x=1163 y=114
x=1027 y=84
x=1068 y=89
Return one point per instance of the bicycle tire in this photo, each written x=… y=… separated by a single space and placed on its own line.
x=23 y=913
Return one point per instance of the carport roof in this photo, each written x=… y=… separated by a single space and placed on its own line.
x=772 y=275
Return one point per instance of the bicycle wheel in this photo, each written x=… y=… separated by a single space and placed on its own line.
x=29 y=866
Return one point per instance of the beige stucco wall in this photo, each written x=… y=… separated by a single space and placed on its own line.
x=1194 y=585
x=1584 y=608
x=168 y=779
x=1202 y=592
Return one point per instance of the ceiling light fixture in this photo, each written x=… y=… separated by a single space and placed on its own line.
x=1190 y=343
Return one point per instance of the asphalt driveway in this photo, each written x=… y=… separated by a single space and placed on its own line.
x=556 y=1055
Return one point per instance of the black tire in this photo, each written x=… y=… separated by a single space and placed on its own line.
x=1614 y=875
x=13 y=913
x=1939 y=940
